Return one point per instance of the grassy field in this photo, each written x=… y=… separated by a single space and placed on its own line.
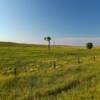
x=31 y=72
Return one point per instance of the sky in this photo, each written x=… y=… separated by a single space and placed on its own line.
x=70 y=22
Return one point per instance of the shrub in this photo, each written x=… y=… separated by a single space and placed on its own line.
x=89 y=45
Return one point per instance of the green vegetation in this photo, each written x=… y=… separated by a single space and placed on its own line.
x=31 y=72
x=89 y=45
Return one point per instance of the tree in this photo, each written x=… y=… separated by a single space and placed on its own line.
x=89 y=45
x=48 y=39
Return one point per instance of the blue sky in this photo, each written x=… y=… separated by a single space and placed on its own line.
x=30 y=21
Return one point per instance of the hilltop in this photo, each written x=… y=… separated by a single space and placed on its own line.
x=7 y=44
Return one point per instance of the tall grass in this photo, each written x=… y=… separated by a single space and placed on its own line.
x=64 y=73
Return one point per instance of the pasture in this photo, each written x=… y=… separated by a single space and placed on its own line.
x=32 y=72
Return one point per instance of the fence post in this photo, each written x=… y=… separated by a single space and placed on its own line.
x=94 y=58
x=54 y=64
x=15 y=73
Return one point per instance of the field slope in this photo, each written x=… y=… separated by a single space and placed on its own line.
x=31 y=72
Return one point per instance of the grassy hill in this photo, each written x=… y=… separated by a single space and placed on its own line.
x=29 y=72
x=8 y=44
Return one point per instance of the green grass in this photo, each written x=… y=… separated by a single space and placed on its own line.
x=37 y=79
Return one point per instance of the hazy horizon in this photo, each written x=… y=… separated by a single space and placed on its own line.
x=65 y=41
x=69 y=22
